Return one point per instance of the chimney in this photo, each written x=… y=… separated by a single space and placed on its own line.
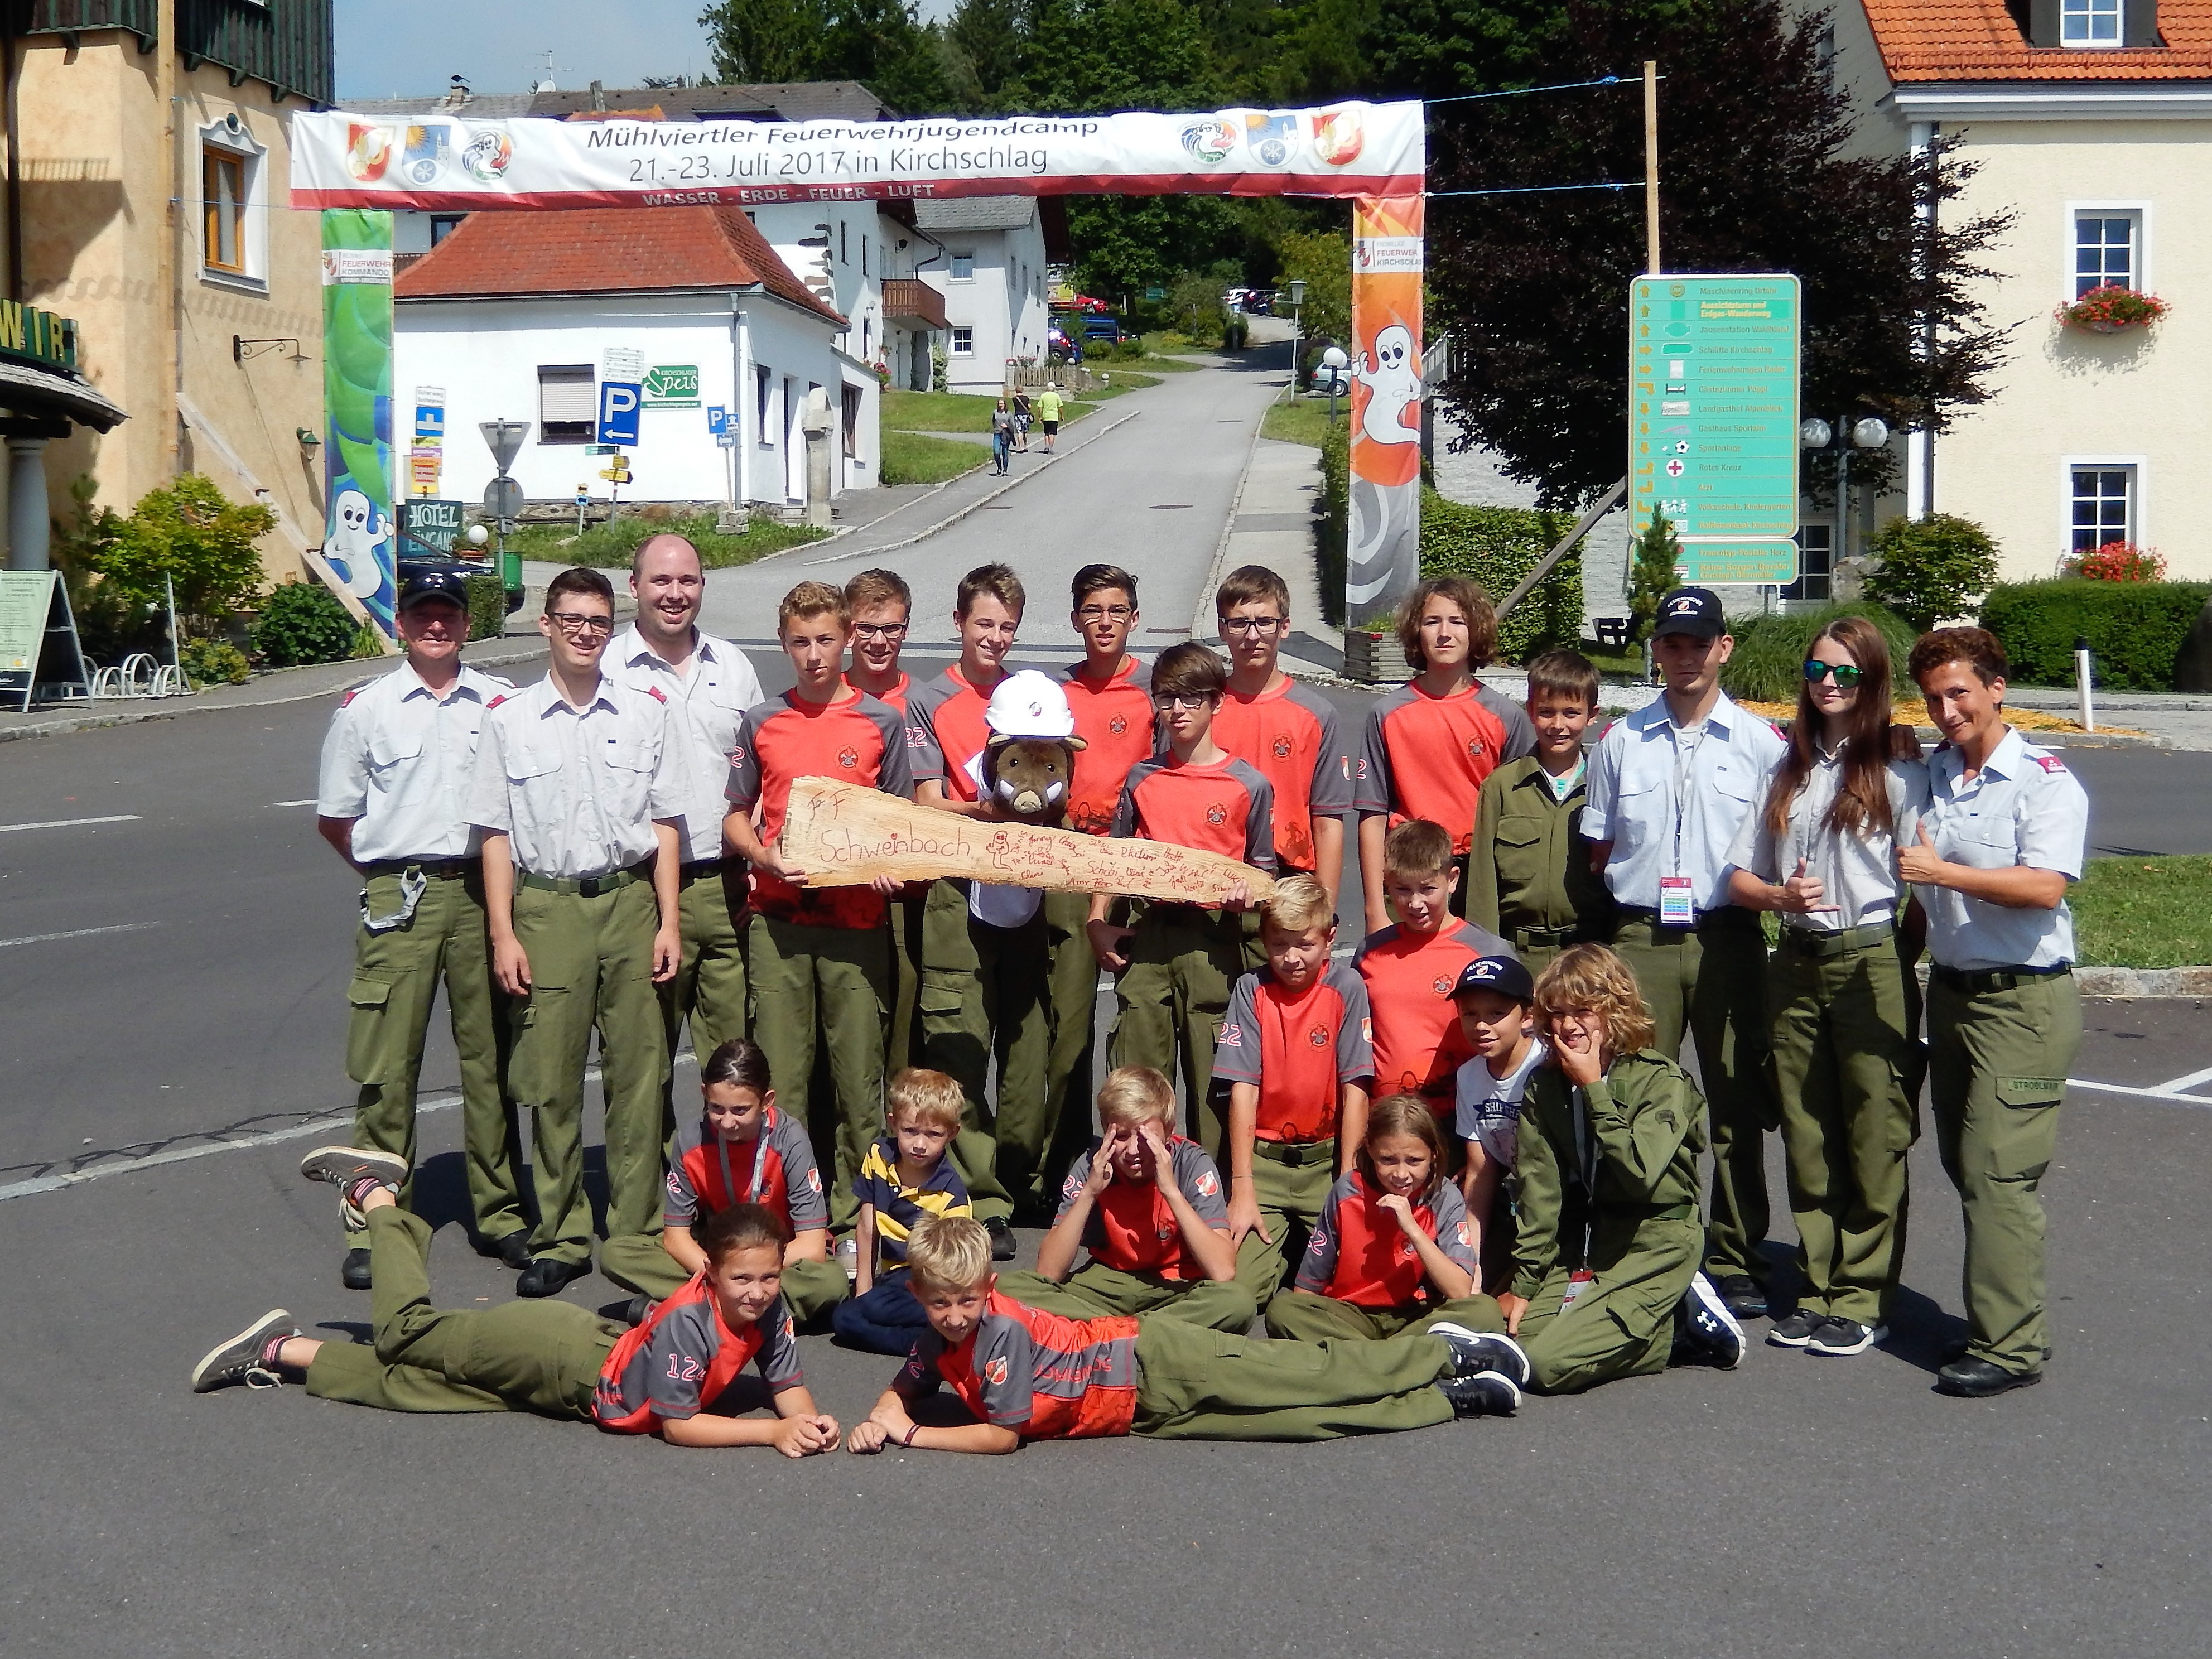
x=599 y=97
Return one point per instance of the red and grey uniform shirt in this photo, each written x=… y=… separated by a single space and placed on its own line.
x=1425 y=756
x=775 y=1169
x=1132 y=1229
x=684 y=1356
x=1360 y=1254
x=1113 y=718
x=1044 y=1376
x=1418 y=1046
x=945 y=724
x=857 y=740
x=1289 y=736
x=1300 y=1049
x=1224 y=808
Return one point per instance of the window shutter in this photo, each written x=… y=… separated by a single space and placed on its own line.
x=567 y=392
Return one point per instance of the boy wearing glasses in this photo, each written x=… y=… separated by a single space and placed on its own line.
x=1284 y=731
x=1173 y=969
x=578 y=788
x=882 y=606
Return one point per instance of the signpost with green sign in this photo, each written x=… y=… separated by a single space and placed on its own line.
x=1712 y=423
x=673 y=385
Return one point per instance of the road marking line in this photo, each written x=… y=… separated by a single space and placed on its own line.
x=71 y=823
x=79 y=932
x=2191 y=1081
x=2140 y=1094
x=309 y=802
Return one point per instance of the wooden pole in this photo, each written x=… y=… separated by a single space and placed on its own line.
x=1651 y=168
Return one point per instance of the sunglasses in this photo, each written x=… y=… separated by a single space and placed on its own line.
x=1847 y=674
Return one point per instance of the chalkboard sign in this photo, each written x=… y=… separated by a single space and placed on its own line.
x=37 y=633
x=435 y=523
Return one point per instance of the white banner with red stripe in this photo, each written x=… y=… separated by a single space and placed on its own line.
x=341 y=160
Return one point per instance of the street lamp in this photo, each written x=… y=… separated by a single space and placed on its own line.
x=1294 y=291
x=1334 y=362
x=1869 y=432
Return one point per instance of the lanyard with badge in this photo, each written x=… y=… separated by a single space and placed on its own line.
x=1677 y=908
x=751 y=1194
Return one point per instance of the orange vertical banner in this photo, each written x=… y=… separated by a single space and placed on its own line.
x=1383 y=559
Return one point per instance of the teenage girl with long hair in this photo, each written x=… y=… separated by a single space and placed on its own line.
x=1823 y=853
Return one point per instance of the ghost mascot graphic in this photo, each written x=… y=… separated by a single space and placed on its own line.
x=358 y=533
x=357 y=539
x=1384 y=553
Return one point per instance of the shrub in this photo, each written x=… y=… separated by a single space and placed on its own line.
x=2135 y=630
x=487 y=606
x=1767 y=666
x=2119 y=561
x=1931 y=568
x=1498 y=546
x=191 y=535
x=215 y=662
x=1653 y=574
x=1334 y=532
x=303 y=622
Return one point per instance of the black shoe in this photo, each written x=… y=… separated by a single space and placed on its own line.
x=1003 y=1246
x=1978 y=1379
x=1486 y=1394
x=353 y=1275
x=1839 y=1337
x=1707 y=1326
x=1473 y=1352
x=1798 y=1329
x=637 y=1311
x=544 y=1276
x=509 y=1249
x=1742 y=1293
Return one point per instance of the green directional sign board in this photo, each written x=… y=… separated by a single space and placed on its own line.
x=1712 y=421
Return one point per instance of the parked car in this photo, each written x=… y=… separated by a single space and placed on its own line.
x=1102 y=331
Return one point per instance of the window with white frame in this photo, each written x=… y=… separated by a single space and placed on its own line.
x=963 y=267
x=567 y=403
x=2089 y=22
x=1816 y=545
x=2107 y=249
x=2103 y=500
x=964 y=342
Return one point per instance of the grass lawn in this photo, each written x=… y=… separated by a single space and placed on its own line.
x=612 y=544
x=911 y=458
x=2144 y=913
x=937 y=411
x=1301 y=419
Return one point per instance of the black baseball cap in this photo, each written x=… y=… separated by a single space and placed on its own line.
x=1504 y=974
x=1692 y=610
x=423 y=585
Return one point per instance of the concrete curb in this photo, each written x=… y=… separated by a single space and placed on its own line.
x=2144 y=982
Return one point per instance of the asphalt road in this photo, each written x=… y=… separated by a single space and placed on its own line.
x=1794 y=1506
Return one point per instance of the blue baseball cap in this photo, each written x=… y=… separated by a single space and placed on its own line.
x=1503 y=975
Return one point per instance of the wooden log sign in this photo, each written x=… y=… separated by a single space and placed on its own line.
x=842 y=834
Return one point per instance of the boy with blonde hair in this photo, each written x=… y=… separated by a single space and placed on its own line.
x=905 y=1179
x=1148 y=1206
x=1296 y=1053
x=1023 y=1373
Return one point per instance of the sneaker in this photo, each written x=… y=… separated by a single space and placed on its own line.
x=1796 y=1330
x=1845 y=1336
x=1710 y=1324
x=248 y=1357
x=1474 y=1351
x=348 y=1168
x=1003 y=1246
x=354 y=1272
x=1743 y=1295
x=1486 y=1393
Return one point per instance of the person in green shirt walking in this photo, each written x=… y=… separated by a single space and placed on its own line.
x=1048 y=409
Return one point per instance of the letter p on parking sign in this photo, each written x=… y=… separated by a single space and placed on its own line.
x=618 y=402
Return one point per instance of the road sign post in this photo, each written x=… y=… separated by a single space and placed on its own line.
x=1712 y=424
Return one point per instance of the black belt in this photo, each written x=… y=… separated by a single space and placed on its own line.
x=442 y=869
x=588 y=886
x=1818 y=943
x=1978 y=982
x=1726 y=919
x=698 y=868
x=1296 y=1153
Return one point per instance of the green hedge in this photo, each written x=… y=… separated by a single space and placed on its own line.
x=1498 y=546
x=2135 y=630
x=1334 y=532
x=487 y=606
x=303 y=622
x=1768 y=664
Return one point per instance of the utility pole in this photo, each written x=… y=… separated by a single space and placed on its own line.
x=1650 y=168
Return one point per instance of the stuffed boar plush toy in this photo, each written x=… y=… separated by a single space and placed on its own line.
x=1029 y=777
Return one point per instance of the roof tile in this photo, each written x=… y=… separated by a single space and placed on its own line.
x=1939 y=40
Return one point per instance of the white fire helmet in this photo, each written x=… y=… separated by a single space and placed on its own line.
x=1029 y=704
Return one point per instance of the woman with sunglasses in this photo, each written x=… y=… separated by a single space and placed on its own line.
x=1823 y=851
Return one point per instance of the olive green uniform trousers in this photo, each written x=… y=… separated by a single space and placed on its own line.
x=1193 y=1383
x=709 y=986
x=1290 y=1183
x=903 y=1035
x=985 y=1002
x=1095 y=1291
x=591 y=966
x=1841 y=1052
x=639 y=1261
x=1308 y=1316
x=1072 y=1064
x=1622 y=1324
x=1170 y=999
x=519 y=1357
x=396 y=976
x=1997 y=1061
x=830 y=984
x=1711 y=981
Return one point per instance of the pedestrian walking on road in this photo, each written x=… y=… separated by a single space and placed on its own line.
x=395 y=765
x=1048 y=411
x=1024 y=413
x=2004 y=833
x=1002 y=435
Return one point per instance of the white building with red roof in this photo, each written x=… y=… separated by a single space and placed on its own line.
x=2091 y=121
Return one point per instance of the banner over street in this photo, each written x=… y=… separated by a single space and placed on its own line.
x=341 y=160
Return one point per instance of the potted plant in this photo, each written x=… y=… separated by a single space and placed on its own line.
x=2109 y=309
x=2117 y=562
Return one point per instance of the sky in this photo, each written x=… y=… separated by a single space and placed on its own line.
x=408 y=48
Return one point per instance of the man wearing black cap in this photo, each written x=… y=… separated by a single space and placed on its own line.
x=1669 y=786
x=395 y=766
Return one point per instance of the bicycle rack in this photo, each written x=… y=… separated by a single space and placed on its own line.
x=140 y=675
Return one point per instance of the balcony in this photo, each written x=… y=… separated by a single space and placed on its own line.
x=912 y=303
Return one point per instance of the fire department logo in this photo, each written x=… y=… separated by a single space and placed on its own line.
x=1474 y=748
x=1465 y=1237
x=995 y=1370
x=1282 y=748
x=814 y=1180
x=849 y=758
x=1441 y=985
x=1318 y=1037
x=1208 y=1183
x=1216 y=813
x=1118 y=724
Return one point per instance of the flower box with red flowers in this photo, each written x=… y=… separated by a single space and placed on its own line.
x=2108 y=310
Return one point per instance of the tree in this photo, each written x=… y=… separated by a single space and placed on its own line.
x=186 y=535
x=765 y=40
x=1932 y=567
x=1755 y=175
x=1655 y=574
x=1322 y=259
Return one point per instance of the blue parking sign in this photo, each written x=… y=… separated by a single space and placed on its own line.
x=718 y=419
x=619 y=404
